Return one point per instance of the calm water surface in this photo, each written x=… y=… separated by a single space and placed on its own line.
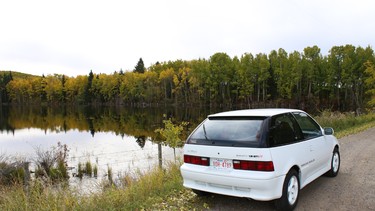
x=103 y=149
x=120 y=138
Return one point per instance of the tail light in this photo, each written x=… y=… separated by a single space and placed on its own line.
x=203 y=161
x=253 y=165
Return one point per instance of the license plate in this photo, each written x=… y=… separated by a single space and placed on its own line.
x=219 y=163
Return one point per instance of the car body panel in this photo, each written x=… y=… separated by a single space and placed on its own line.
x=237 y=183
x=250 y=184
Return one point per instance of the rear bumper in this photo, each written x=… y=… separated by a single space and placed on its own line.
x=233 y=183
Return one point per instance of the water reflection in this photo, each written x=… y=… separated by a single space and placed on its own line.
x=135 y=122
x=104 y=149
x=122 y=138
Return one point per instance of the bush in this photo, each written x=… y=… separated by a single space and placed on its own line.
x=12 y=172
x=52 y=164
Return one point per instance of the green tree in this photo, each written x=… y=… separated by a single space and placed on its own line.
x=246 y=78
x=140 y=67
x=88 y=88
x=133 y=87
x=261 y=69
x=181 y=84
x=200 y=71
x=166 y=78
x=335 y=62
x=354 y=71
x=5 y=78
x=107 y=87
x=370 y=83
x=43 y=86
x=152 y=91
x=235 y=82
x=63 y=90
x=295 y=67
x=311 y=59
x=282 y=74
x=172 y=133
x=220 y=79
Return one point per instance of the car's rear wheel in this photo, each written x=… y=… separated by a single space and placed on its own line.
x=335 y=163
x=289 y=199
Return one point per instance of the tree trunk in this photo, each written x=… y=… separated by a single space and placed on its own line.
x=264 y=91
x=160 y=156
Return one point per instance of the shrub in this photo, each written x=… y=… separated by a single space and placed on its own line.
x=12 y=172
x=52 y=164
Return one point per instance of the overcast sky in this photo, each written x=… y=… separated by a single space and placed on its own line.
x=74 y=37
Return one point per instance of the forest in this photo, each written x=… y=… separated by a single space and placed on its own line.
x=343 y=80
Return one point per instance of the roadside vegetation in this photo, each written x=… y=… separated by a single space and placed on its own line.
x=159 y=189
x=346 y=123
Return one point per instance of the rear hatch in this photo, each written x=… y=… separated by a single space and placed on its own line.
x=227 y=143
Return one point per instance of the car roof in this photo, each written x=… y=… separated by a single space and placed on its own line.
x=265 y=112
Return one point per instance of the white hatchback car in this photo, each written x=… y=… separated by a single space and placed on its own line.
x=262 y=154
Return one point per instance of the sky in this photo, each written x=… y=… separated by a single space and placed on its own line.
x=72 y=37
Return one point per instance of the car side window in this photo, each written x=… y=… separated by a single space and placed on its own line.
x=283 y=130
x=309 y=127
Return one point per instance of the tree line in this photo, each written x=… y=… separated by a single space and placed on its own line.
x=343 y=80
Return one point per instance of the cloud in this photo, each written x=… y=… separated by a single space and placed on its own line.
x=76 y=36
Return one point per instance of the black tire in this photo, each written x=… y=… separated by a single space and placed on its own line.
x=200 y=193
x=291 y=188
x=335 y=163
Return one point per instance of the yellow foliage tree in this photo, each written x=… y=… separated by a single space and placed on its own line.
x=370 y=82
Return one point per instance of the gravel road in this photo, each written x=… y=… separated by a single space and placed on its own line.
x=352 y=189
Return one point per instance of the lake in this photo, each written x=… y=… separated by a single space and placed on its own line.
x=117 y=137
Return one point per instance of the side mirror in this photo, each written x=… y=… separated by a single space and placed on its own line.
x=328 y=131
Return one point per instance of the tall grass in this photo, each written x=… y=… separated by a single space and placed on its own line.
x=12 y=170
x=89 y=168
x=346 y=123
x=138 y=194
x=110 y=175
x=152 y=188
x=95 y=170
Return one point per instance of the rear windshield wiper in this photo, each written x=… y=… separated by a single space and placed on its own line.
x=205 y=133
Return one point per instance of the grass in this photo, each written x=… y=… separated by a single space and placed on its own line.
x=11 y=172
x=52 y=164
x=95 y=170
x=88 y=170
x=36 y=197
x=159 y=189
x=346 y=123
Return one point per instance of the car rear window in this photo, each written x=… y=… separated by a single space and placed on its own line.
x=228 y=131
